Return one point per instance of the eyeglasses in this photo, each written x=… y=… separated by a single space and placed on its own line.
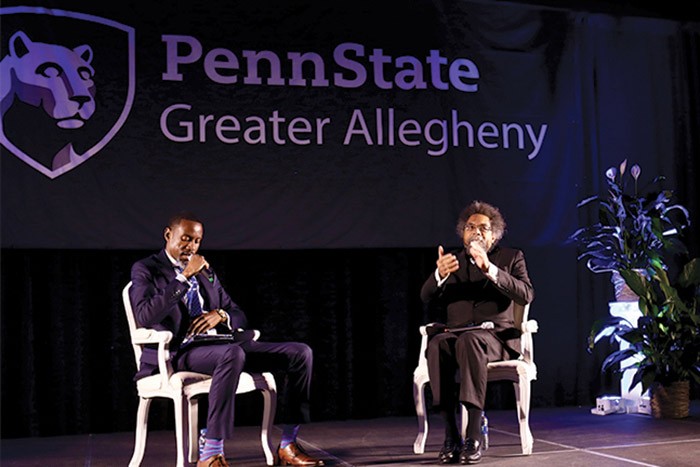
x=483 y=228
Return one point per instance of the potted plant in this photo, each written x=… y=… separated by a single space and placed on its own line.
x=636 y=237
x=665 y=342
x=634 y=227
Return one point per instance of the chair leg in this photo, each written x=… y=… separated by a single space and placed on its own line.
x=419 y=400
x=522 y=399
x=192 y=430
x=270 y=403
x=141 y=432
x=180 y=405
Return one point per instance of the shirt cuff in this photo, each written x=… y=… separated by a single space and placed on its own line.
x=440 y=280
x=181 y=277
x=492 y=273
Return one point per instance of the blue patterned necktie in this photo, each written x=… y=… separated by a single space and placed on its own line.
x=192 y=296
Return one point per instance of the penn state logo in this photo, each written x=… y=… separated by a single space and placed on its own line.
x=67 y=83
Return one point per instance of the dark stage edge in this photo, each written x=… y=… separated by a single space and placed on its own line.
x=563 y=437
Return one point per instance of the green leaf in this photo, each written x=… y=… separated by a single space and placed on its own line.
x=618 y=356
x=690 y=275
x=608 y=326
x=635 y=281
x=632 y=336
x=648 y=376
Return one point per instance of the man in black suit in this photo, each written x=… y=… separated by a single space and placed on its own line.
x=478 y=283
x=176 y=290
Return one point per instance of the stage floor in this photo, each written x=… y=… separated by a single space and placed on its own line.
x=563 y=437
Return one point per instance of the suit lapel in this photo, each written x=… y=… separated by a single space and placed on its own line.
x=166 y=267
x=495 y=256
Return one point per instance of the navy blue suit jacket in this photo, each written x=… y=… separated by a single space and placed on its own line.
x=157 y=299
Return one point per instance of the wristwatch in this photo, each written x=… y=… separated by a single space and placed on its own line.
x=223 y=314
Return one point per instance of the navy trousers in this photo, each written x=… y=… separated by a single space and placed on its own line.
x=225 y=362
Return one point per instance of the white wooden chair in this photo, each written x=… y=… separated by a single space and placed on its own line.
x=183 y=387
x=521 y=372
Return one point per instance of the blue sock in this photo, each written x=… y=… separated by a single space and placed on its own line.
x=289 y=435
x=212 y=447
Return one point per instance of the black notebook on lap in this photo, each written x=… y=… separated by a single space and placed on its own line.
x=235 y=336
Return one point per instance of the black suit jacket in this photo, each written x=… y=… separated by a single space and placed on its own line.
x=470 y=297
x=157 y=300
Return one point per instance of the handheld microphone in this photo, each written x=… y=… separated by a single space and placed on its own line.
x=208 y=274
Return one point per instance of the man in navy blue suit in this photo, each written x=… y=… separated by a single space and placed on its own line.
x=479 y=282
x=176 y=290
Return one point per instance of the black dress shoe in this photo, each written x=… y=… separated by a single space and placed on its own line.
x=471 y=452
x=449 y=454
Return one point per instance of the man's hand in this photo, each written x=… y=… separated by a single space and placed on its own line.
x=446 y=263
x=204 y=322
x=195 y=265
x=477 y=251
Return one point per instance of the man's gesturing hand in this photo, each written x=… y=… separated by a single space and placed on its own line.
x=446 y=263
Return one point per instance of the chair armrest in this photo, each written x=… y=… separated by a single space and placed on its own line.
x=151 y=336
x=245 y=333
x=143 y=336
x=422 y=367
x=530 y=326
x=527 y=349
x=424 y=329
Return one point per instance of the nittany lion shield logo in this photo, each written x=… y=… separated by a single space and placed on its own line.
x=67 y=83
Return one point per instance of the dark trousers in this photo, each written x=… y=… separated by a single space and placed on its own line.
x=465 y=355
x=225 y=362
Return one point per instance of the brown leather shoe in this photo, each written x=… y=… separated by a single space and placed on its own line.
x=214 y=461
x=293 y=454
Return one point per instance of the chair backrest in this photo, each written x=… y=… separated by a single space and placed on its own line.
x=132 y=323
x=520 y=313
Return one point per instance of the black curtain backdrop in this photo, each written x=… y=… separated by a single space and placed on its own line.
x=626 y=86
